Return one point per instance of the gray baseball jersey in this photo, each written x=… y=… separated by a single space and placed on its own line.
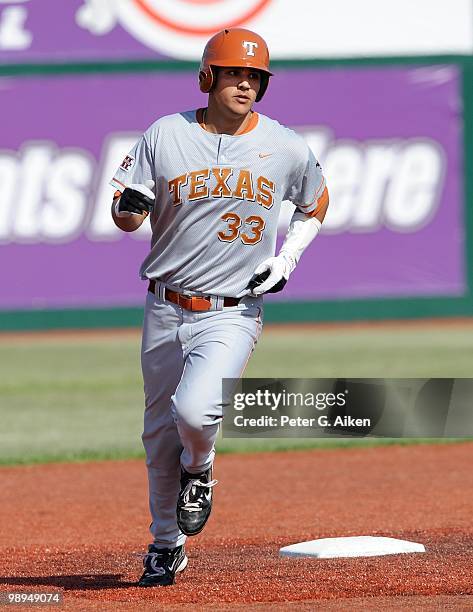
x=218 y=198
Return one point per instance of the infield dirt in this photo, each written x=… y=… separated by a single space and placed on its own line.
x=79 y=529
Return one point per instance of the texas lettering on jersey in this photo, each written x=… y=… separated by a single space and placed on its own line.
x=222 y=183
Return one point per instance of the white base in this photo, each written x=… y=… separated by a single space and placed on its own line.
x=359 y=546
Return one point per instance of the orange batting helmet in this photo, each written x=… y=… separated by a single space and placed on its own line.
x=235 y=47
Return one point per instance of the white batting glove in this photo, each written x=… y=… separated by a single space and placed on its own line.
x=273 y=271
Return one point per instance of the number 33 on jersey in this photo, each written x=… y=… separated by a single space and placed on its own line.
x=244 y=189
x=218 y=197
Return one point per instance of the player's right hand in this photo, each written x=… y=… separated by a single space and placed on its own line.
x=136 y=199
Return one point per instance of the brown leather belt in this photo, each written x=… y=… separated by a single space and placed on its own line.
x=195 y=303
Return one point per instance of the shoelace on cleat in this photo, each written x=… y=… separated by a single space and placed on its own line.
x=190 y=491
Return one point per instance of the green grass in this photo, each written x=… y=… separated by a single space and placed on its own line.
x=403 y=352
x=63 y=400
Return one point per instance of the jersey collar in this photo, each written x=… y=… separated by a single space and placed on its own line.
x=252 y=123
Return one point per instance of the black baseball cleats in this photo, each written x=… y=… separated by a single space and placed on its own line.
x=195 y=501
x=194 y=505
x=161 y=566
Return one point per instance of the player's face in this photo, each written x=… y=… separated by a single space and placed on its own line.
x=236 y=89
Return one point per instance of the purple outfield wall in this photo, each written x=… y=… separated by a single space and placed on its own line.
x=389 y=140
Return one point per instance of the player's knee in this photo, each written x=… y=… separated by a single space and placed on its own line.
x=191 y=422
x=190 y=418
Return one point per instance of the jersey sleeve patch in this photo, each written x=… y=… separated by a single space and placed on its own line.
x=128 y=163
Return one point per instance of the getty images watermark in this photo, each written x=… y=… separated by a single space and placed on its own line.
x=276 y=402
x=348 y=407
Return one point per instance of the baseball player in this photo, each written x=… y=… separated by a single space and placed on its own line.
x=212 y=181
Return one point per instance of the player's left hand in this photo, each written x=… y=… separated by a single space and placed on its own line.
x=136 y=200
x=270 y=276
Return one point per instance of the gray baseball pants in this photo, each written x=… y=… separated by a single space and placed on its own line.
x=184 y=356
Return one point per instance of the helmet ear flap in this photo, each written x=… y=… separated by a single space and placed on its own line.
x=264 y=82
x=206 y=79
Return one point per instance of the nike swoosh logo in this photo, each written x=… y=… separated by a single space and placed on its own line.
x=265 y=154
